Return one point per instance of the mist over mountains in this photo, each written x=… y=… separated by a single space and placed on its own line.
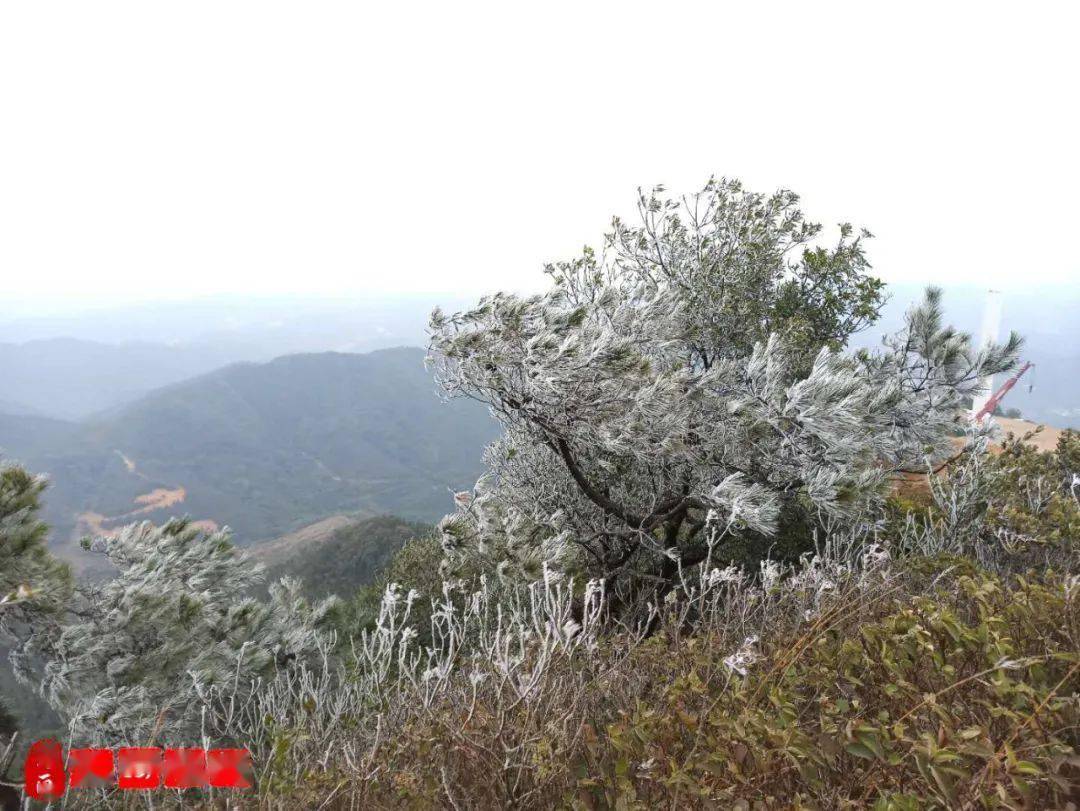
x=68 y=378
x=274 y=325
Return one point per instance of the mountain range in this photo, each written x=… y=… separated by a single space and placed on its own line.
x=264 y=448
x=77 y=365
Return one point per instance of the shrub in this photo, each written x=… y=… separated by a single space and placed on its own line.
x=1009 y=511
x=126 y=665
x=1033 y=493
x=967 y=694
x=32 y=581
x=849 y=681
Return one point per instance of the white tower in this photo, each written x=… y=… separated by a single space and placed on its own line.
x=991 y=325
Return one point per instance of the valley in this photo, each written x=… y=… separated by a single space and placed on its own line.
x=262 y=448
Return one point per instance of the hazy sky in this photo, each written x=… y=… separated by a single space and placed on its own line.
x=152 y=150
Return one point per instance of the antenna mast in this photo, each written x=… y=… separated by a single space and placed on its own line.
x=991 y=325
x=992 y=403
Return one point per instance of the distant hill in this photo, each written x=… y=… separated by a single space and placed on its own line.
x=75 y=365
x=73 y=379
x=264 y=448
x=338 y=555
x=306 y=538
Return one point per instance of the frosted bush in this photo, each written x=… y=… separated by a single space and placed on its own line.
x=124 y=667
x=693 y=374
x=530 y=653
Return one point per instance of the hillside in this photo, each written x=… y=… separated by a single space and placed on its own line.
x=338 y=555
x=262 y=448
x=306 y=539
x=1045 y=439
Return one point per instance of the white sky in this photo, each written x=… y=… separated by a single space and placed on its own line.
x=152 y=150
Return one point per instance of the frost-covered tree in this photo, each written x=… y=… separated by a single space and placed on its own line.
x=32 y=581
x=128 y=663
x=688 y=385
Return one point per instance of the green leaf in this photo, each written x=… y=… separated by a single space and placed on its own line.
x=860 y=750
